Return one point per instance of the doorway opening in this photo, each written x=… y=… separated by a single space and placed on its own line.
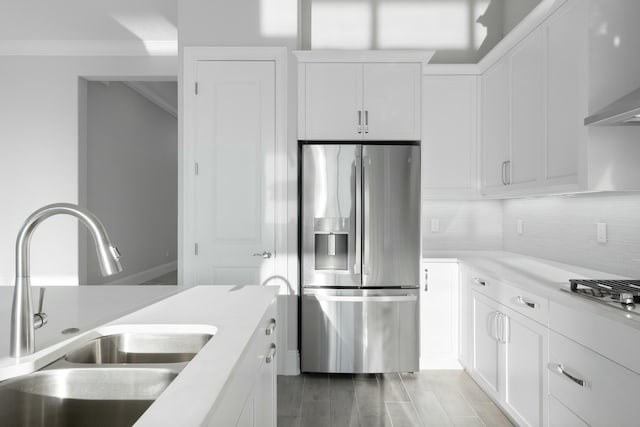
x=128 y=177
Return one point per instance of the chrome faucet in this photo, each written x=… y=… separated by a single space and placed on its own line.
x=23 y=320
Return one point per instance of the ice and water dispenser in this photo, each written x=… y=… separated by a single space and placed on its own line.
x=331 y=243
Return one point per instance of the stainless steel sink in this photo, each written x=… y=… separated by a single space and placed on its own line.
x=81 y=397
x=140 y=348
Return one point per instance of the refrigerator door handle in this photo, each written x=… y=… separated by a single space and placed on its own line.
x=365 y=217
x=357 y=268
x=376 y=298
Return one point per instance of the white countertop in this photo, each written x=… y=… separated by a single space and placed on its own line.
x=233 y=312
x=543 y=277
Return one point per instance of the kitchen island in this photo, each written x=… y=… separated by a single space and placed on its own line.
x=225 y=368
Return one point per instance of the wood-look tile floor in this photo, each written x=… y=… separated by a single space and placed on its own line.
x=425 y=398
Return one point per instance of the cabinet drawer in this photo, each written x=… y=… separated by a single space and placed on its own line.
x=561 y=416
x=593 y=387
x=533 y=306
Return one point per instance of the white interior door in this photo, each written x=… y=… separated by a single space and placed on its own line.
x=234 y=187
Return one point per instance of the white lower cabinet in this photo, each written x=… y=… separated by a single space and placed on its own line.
x=249 y=397
x=439 y=316
x=509 y=353
x=600 y=391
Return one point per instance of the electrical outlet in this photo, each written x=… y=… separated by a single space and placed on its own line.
x=520 y=227
x=435 y=225
x=601 y=232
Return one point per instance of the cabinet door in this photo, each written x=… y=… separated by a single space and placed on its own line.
x=392 y=101
x=466 y=317
x=333 y=101
x=525 y=361
x=449 y=136
x=527 y=110
x=566 y=33
x=439 y=316
x=235 y=133
x=486 y=345
x=495 y=134
x=265 y=394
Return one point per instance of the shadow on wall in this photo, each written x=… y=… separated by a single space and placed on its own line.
x=460 y=31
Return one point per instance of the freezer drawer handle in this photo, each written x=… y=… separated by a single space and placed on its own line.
x=560 y=369
x=381 y=298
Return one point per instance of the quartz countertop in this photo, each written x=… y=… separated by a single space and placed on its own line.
x=543 y=277
x=233 y=312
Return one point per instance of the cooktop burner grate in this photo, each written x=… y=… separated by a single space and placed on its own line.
x=606 y=286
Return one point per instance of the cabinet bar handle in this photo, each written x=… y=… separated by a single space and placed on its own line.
x=479 y=282
x=426 y=279
x=359 y=121
x=508 y=169
x=271 y=327
x=504 y=173
x=366 y=121
x=560 y=369
x=496 y=324
x=272 y=353
x=523 y=302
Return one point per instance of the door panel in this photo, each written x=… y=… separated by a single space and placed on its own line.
x=235 y=152
x=496 y=119
x=392 y=101
x=391 y=215
x=330 y=249
x=333 y=100
x=485 y=342
x=360 y=331
x=527 y=109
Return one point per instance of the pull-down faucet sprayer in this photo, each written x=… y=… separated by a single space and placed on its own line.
x=23 y=320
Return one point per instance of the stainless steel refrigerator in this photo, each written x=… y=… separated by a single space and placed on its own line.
x=360 y=257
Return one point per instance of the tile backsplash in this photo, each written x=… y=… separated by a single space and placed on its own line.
x=563 y=229
x=463 y=225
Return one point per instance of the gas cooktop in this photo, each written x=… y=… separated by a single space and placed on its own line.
x=622 y=294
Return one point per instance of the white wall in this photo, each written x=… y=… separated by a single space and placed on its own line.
x=514 y=11
x=563 y=229
x=131 y=181
x=39 y=134
x=88 y=20
x=464 y=225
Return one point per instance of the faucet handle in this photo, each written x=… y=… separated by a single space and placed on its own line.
x=40 y=318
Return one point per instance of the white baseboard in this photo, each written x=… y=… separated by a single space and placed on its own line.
x=144 y=276
x=290 y=364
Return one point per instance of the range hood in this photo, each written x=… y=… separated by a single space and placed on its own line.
x=624 y=111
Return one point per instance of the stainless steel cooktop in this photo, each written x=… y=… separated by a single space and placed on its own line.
x=621 y=294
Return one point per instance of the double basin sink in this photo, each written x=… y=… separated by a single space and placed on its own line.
x=108 y=381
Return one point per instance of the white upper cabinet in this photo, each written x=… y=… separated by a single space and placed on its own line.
x=495 y=129
x=359 y=96
x=333 y=106
x=513 y=118
x=392 y=101
x=449 y=136
x=527 y=110
x=566 y=93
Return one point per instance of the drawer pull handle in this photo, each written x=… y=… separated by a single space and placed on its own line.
x=272 y=353
x=479 y=282
x=271 y=327
x=561 y=370
x=523 y=302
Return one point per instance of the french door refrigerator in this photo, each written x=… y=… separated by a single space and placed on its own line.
x=360 y=257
